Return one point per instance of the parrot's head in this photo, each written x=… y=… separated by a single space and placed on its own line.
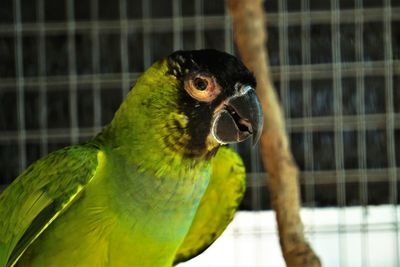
x=191 y=103
x=217 y=95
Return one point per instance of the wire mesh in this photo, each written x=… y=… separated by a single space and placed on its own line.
x=66 y=65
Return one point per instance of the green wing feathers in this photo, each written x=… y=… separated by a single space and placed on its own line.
x=40 y=194
x=218 y=205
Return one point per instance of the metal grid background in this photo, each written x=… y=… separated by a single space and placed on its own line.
x=66 y=65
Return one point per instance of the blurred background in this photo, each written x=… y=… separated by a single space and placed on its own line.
x=65 y=66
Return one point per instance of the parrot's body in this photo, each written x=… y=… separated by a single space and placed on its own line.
x=153 y=188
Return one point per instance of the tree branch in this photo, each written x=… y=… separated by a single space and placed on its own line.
x=249 y=28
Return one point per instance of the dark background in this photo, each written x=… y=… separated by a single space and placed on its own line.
x=65 y=66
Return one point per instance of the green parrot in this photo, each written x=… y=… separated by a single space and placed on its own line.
x=156 y=187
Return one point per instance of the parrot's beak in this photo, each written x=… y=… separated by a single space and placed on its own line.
x=239 y=118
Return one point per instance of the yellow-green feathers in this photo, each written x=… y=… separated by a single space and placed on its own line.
x=218 y=205
x=39 y=195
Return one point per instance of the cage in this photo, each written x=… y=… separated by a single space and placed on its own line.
x=66 y=65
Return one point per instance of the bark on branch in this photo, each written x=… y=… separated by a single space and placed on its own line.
x=250 y=36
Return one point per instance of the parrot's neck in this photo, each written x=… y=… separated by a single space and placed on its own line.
x=146 y=143
x=149 y=130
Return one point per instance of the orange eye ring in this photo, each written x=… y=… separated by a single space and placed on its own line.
x=202 y=87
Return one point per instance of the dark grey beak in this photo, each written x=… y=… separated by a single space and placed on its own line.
x=240 y=118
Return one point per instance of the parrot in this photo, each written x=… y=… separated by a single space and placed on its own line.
x=156 y=187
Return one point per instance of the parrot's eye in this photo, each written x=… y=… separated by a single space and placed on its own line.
x=200 y=83
x=202 y=87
